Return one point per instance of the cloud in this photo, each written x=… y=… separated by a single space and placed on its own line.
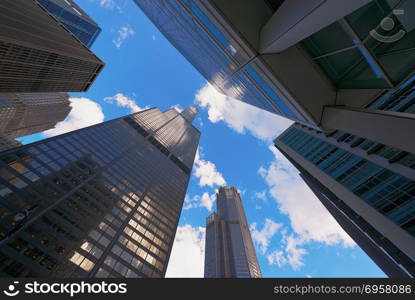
x=123 y=101
x=207 y=201
x=291 y=255
x=85 y=112
x=240 y=116
x=188 y=253
x=295 y=254
x=207 y=173
x=309 y=218
x=123 y=33
x=261 y=195
x=277 y=258
x=262 y=237
x=108 y=4
x=188 y=202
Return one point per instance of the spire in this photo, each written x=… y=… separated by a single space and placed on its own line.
x=189 y=113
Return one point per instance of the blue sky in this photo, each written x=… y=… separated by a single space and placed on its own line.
x=293 y=234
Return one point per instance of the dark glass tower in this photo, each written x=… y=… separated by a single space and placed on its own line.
x=37 y=53
x=29 y=113
x=103 y=201
x=229 y=252
x=369 y=188
x=74 y=19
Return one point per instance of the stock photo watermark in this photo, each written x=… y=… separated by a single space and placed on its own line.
x=388 y=24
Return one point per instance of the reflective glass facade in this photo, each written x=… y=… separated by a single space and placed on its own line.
x=29 y=113
x=229 y=250
x=37 y=54
x=103 y=201
x=74 y=19
x=391 y=194
x=218 y=55
x=380 y=176
x=370 y=48
x=402 y=100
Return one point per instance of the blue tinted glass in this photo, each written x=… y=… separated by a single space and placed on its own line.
x=389 y=193
x=267 y=89
x=210 y=26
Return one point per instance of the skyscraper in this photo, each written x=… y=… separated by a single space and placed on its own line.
x=74 y=19
x=229 y=248
x=369 y=188
x=8 y=143
x=319 y=63
x=102 y=201
x=37 y=53
x=29 y=113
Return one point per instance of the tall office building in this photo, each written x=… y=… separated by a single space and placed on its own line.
x=29 y=113
x=74 y=19
x=369 y=188
x=102 y=201
x=229 y=248
x=319 y=63
x=37 y=53
x=8 y=143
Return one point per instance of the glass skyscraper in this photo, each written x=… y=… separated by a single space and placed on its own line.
x=29 y=113
x=102 y=201
x=37 y=54
x=369 y=188
x=8 y=143
x=74 y=19
x=229 y=252
x=319 y=63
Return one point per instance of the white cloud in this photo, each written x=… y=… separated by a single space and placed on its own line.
x=123 y=33
x=261 y=195
x=85 y=112
x=277 y=257
x=291 y=254
x=123 y=101
x=188 y=202
x=109 y=4
x=240 y=116
x=188 y=253
x=308 y=217
x=207 y=201
x=263 y=237
x=207 y=173
x=295 y=254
